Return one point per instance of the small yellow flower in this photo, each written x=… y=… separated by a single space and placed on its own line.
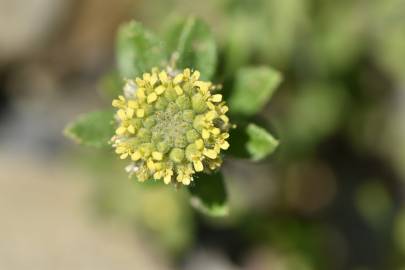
x=171 y=126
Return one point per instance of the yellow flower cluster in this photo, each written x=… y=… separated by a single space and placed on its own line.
x=171 y=125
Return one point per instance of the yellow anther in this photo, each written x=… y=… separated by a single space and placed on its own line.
x=210 y=105
x=216 y=98
x=187 y=73
x=215 y=131
x=153 y=79
x=152 y=97
x=124 y=156
x=224 y=145
x=136 y=156
x=224 y=118
x=157 y=155
x=122 y=115
x=186 y=181
x=199 y=144
x=178 y=90
x=196 y=75
x=204 y=86
x=198 y=166
x=168 y=176
x=131 y=129
x=140 y=113
x=178 y=79
x=140 y=93
x=120 y=149
x=212 y=154
x=132 y=104
x=146 y=77
x=224 y=109
x=130 y=112
x=140 y=82
x=160 y=89
x=211 y=115
x=150 y=164
x=205 y=134
x=163 y=76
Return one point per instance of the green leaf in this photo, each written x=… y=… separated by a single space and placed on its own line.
x=260 y=143
x=194 y=44
x=92 y=129
x=209 y=194
x=251 y=141
x=254 y=87
x=138 y=50
x=111 y=85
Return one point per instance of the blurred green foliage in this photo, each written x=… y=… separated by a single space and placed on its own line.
x=93 y=129
x=338 y=114
x=191 y=45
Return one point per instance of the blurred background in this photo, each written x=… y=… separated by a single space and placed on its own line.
x=332 y=197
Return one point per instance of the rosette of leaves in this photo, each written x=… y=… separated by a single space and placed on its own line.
x=187 y=43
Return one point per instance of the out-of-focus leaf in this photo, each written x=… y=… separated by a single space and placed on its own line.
x=111 y=85
x=260 y=143
x=209 y=194
x=194 y=44
x=373 y=202
x=387 y=30
x=316 y=110
x=138 y=50
x=92 y=129
x=238 y=45
x=399 y=230
x=254 y=87
x=250 y=141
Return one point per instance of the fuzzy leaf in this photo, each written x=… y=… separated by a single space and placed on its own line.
x=254 y=87
x=111 y=85
x=208 y=194
x=194 y=44
x=138 y=50
x=92 y=129
x=260 y=143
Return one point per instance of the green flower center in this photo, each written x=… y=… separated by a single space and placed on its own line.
x=171 y=126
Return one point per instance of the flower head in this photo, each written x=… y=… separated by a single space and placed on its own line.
x=171 y=125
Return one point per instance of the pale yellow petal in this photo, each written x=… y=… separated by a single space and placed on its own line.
x=212 y=154
x=198 y=166
x=153 y=79
x=131 y=129
x=205 y=134
x=178 y=79
x=216 y=98
x=152 y=97
x=225 y=145
x=136 y=156
x=157 y=155
x=121 y=130
x=121 y=114
x=140 y=113
x=178 y=90
x=199 y=143
x=160 y=89
x=132 y=104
